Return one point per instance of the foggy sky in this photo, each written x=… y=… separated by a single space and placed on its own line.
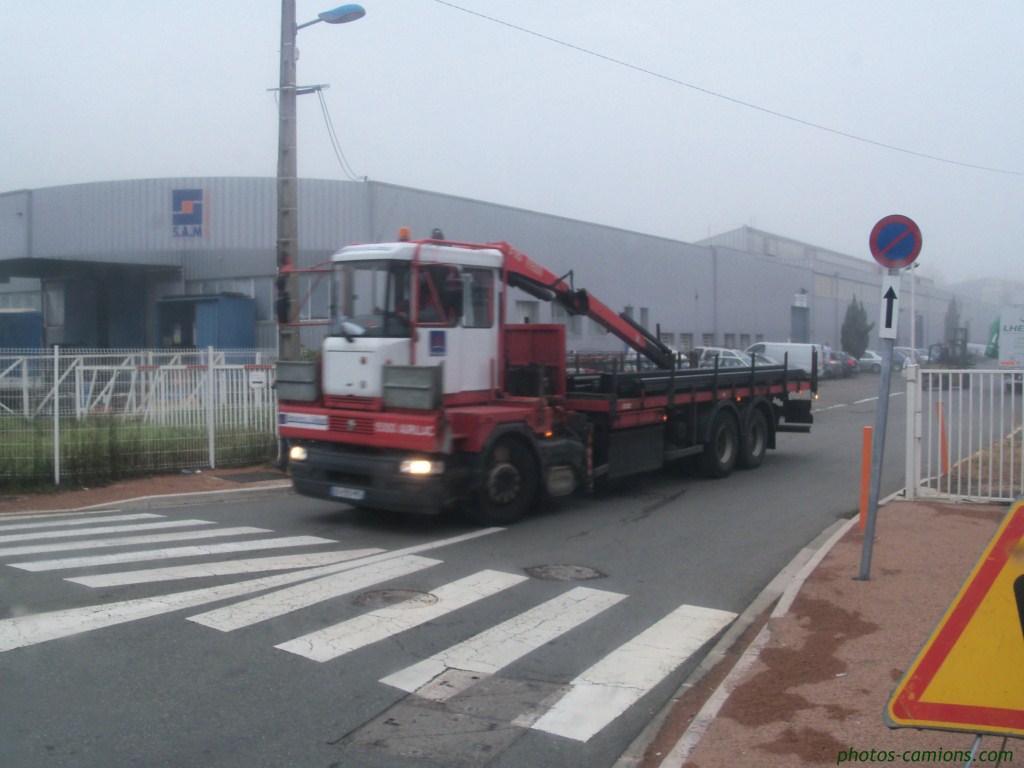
x=647 y=123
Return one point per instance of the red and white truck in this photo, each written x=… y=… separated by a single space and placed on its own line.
x=424 y=397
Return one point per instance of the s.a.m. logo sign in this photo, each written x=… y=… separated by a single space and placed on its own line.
x=190 y=213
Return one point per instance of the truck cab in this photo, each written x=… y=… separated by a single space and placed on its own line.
x=409 y=304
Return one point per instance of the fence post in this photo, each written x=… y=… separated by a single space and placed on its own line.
x=56 y=414
x=913 y=439
x=26 y=403
x=210 y=410
x=865 y=474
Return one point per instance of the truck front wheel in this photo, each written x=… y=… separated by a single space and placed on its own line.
x=722 y=448
x=509 y=486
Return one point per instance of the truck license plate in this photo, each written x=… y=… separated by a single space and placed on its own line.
x=341 y=492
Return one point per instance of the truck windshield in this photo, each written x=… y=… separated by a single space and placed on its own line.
x=371 y=298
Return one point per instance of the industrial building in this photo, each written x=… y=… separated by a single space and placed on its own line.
x=190 y=262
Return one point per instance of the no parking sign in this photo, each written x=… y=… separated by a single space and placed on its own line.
x=895 y=241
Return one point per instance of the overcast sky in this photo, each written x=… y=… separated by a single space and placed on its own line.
x=669 y=117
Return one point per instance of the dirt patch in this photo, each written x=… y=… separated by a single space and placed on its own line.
x=994 y=471
x=768 y=696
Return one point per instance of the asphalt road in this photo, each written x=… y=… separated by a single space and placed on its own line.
x=573 y=628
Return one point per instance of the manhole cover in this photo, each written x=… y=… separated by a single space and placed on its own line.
x=384 y=597
x=564 y=572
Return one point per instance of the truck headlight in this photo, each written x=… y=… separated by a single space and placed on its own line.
x=298 y=453
x=421 y=467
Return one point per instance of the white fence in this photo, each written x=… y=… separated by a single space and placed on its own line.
x=114 y=413
x=964 y=435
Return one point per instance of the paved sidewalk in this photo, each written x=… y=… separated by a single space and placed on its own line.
x=189 y=486
x=812 y=685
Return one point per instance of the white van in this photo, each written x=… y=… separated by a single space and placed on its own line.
x=799 y=354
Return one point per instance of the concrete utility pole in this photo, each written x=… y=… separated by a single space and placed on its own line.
x=287 y=301
x=288 y=341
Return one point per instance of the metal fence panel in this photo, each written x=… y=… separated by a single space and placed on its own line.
x=104 y=414
x=964 y=435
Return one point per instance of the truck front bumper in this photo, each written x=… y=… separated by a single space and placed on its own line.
x=373 y=480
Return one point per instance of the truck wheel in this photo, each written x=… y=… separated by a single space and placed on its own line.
x=509 y=486
x=722 y=448
x=754 y=444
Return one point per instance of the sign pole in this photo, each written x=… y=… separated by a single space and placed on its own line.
x=877 y=450
x=895 y=243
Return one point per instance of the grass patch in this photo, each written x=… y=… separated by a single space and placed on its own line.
x=104 y=448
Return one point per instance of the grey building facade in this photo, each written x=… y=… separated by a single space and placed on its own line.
x=99 y=260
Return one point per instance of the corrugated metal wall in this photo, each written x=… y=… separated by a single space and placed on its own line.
x=684 y=288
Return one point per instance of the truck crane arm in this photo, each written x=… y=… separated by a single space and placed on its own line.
x=526 y=274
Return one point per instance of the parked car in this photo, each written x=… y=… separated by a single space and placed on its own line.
x=706 y=356
x=742 y=361
x=920 y=357
x=795 y=354
x=870 y=361
x=848 y=363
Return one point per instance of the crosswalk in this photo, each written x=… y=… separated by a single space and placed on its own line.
x=316 y=570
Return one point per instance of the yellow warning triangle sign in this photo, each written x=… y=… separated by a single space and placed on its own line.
x=970 y=674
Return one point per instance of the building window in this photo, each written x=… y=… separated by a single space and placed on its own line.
x=53 y=306
x=744 y=340
x=479 y=312
x=730 y=340
x=707 y=339
x=572 y=323
x=526 y=311
x=316 y=289
x=685 y=342
x=758 y=337
x=668 y=338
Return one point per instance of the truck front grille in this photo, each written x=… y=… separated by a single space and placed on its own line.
x=355 y=425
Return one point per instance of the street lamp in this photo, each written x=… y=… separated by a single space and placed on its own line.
x=287 y=303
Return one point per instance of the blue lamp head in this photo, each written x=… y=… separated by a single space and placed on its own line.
x=343 y=14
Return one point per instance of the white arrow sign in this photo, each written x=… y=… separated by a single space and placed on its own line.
x=890 y=310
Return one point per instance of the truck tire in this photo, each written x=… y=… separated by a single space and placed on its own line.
x=509 y=486
x=722 y=448
x=754 y=441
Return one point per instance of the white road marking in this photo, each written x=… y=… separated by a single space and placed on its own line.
x=124 y=541
x=621 y=678
x=38 y=628
x=39 y=535
x=171 y=552
x=331 y=642
x=222 y=568
x=48 y=523
x=28 y=630
x=282 y=601
x=490 y=651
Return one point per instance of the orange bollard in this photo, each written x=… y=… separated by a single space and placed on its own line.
x=865 y=474
x=943 y=445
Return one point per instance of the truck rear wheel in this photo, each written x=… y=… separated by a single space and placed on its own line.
x=754 y=444
x=722 y=448
x=509 y=487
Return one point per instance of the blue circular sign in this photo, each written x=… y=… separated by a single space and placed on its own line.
x=895 y=241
